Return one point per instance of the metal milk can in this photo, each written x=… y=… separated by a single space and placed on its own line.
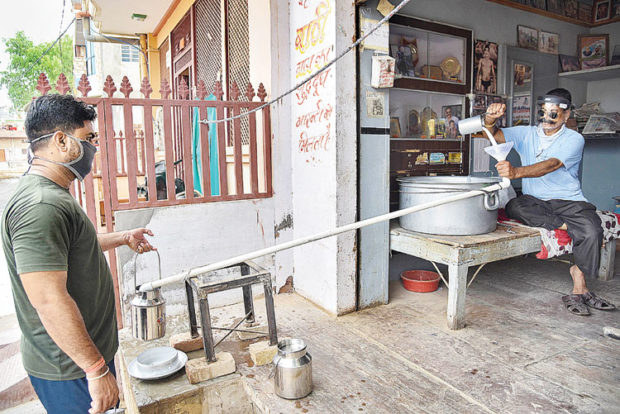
x=293 y=369
x=148 y=310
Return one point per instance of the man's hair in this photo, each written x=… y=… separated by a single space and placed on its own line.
x=562 y=93
x=50 y=113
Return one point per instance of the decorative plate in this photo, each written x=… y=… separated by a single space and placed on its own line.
x=450 y=66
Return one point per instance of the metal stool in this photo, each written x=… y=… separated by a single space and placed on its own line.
x=203 y=285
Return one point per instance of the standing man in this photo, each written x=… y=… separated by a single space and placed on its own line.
x=61 y=281
x=552 y=197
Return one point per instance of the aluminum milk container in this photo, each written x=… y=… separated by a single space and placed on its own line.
x=293 y=369
x=148 y=311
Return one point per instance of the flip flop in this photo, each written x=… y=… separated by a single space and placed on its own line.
x=575 y=304
x=593 y=301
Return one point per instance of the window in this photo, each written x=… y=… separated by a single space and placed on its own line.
x=129 y=54
x=90 y=59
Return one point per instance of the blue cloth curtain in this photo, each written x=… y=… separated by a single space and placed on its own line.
x=213 y=152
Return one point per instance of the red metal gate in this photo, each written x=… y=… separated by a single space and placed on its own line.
x=124 y=172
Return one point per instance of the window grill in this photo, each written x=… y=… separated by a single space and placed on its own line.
x=208 y=42
x=238 y=55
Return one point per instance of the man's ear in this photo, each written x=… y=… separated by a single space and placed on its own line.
x=60 y=141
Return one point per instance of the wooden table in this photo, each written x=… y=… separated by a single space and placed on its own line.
x=460 y=252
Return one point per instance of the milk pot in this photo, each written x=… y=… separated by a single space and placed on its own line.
x=148 y=310
x=293 y=369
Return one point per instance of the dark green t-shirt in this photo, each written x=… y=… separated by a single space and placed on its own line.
x=45 y=229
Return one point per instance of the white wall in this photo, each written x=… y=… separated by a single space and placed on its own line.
x=108 y=62
x=194 y=235
x=607 y=92
x=324 y=174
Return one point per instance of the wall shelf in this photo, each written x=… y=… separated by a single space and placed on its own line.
x=595 y=74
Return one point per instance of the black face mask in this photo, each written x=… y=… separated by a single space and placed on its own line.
x=81 y=166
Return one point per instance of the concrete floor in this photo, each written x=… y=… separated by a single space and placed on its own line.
x=521 y=352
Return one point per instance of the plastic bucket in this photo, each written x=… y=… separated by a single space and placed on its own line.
x=420 y=280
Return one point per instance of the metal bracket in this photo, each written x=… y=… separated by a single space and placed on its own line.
x=440 y=274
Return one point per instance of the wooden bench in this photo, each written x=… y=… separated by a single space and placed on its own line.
x=461 y=252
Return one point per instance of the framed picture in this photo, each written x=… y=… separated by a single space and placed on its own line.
x=522 y=77
x=485 y=67
x=615 y=57
x=413 y=124
x=527 y=37
x=548 y=42
x=521 y=108
x=571 y=8
x=615 y=10
x=394 y=127
x=404 y=60
x=452 y=114
x=539 y=4
x=593 y=50
x=569 y=63
x=584 y=13
x=602 y=10
x=556 y=6
x=479 y=105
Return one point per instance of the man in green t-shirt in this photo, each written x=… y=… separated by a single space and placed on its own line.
x=61 y=282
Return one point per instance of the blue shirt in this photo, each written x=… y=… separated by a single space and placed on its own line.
x=561 y=184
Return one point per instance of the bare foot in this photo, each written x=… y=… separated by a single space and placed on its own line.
x=579 y=280
x=563 y=227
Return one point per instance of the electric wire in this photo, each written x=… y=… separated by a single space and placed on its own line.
x=49 y=48
x=299 y=85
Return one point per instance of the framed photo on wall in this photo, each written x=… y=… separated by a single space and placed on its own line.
x=485 y=67
x=556 y=6
x=521 y=107
x=593 y=50
x=527 y=37
x=602 y=10
x=569 y=63
x=548 y=42
x=394 y=127
x=522 y=77
x=571 y=9
x=615 y=9
x=584 y=13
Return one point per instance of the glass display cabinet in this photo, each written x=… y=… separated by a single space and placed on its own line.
x=430 y=56
x=432 y=77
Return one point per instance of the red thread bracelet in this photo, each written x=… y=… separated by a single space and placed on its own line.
x=100 y=362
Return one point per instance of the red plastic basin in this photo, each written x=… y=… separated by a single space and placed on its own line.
x=420 y=280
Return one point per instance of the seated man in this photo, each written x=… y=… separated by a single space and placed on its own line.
x=552 y=197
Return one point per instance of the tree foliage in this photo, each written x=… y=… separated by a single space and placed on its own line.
x=20 y=79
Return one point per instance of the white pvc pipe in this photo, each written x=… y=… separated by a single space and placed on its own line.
x=505 y=183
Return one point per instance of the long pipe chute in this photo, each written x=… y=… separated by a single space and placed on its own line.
x=505 y=183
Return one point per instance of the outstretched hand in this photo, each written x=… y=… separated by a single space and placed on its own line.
x=137 y=242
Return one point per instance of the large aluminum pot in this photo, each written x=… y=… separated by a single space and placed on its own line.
x=293 y=369
x=148 y=311
x=475 y=215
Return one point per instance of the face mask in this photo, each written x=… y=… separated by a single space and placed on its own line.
x=81 y=166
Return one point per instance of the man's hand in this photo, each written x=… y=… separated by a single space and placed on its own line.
x=137 y=242
x=505 y=169
x=494 y=111
x=103 y=391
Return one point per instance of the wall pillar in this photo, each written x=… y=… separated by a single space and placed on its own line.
x=323 y=151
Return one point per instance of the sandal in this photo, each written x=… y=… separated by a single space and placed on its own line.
x=575 y=304
x=595 y=302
